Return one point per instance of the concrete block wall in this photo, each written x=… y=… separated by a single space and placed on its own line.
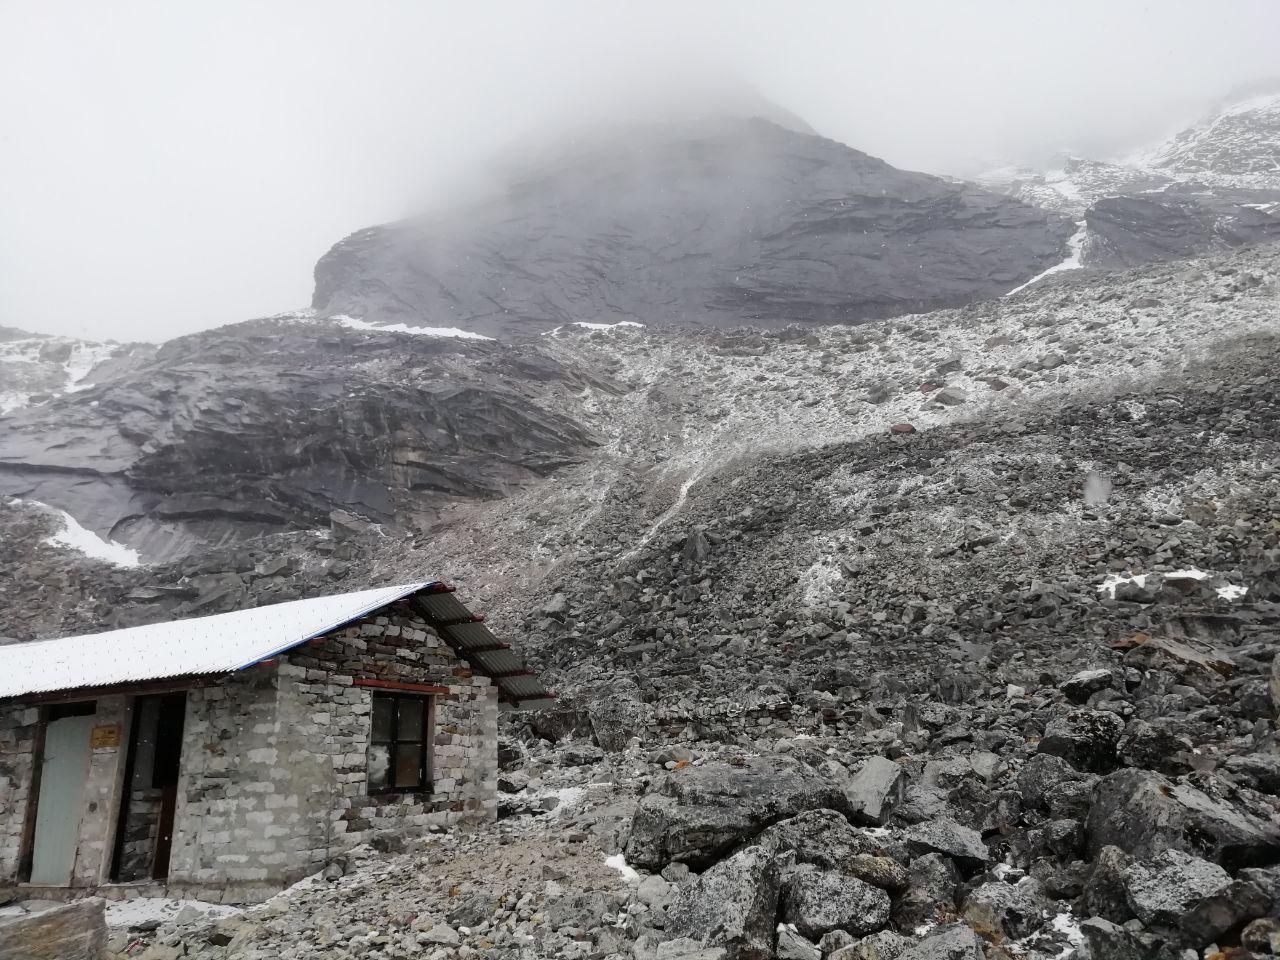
x=18 y=728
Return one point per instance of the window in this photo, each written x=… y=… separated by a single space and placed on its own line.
x=400 y=743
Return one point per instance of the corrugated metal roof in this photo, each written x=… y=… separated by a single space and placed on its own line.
x=227 y=642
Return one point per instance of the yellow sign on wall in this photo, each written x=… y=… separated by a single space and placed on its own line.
x=105 y=737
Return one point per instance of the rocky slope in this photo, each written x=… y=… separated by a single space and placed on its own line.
x=36 y=367
x=947 y=636
x=729 y=222
x=1211 y=187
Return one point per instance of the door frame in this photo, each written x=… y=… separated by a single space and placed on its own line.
x=27 y=840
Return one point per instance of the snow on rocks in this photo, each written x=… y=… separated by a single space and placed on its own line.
x=75 y=537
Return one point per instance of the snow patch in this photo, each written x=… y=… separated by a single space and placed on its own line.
x=89 y=543
x=606 y=327
x=1227 y=591
x=619 y=862
x=352 y=323
x=132 y=913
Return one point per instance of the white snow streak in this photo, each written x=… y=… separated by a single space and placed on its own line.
x=89 y=543
x=352 y=323
x=1075 y=247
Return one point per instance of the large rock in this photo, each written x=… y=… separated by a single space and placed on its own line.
x=947 y=837
x=819 y=901
x=1144 y=813
x=696 y=814
x=1162 y=889
x=875 y=790
x=930 y=893
x=1086 y=739
x=954 y=942
x=733 y=905
x=1051 y=784
x=823 y=838
x=1223 y=915
x=999 y=909
x=73 y=931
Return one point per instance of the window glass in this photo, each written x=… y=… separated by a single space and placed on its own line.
x=379 y=766
x=383 y=719
x=408 y=765
x=409 y=726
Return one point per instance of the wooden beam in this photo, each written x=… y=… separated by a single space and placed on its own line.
x=535 y=696
x=399 y=685
x=458 y=622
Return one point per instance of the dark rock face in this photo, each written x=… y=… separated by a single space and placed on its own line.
x=269 y=426
x=1143 y=813
x=1127 y=231
x=738 y=221
x=697 y=813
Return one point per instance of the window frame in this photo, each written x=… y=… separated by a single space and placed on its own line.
x=425 y=757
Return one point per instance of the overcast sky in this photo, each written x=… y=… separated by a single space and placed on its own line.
x=167 y=166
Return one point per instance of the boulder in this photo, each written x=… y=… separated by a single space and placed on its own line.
x=823 y=838
x=949 y=838
x=881 y=945
x=952 y=942
x=1086 y=739
x=1110 y=941
x=1223 y=915
x=875 y=790
x=1160 y=890
x=70 y=931
x=1153 y=746
x=732 y=905
x=1049 y=783
x=792 y=946
x=696 y=814
x=1104 y=892
x=1144 y=813
x=819 y=901
x=931 y=890
x=1001 y=909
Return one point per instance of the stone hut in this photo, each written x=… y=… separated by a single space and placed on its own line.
x=225 y=757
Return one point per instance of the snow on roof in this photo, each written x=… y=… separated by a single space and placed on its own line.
x=222 y=643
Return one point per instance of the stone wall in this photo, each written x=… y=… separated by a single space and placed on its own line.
x=18 y=728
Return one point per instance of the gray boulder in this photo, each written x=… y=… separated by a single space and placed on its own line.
x=875 y=790
x=792 y=946
x=819 y=901
x=1086 y=739
x=732 y=905
x=1001 y=909
x=71 y=931
x=1222 y=916
x=823 y=838
x=1144 y=813
x=1104 y=892
x=949 y=838
x=1162 y=889
x=953 y=942
x=1050 y=784
x=696 y=814
x=881 y=945
x=931 y=891
x=1085 y=684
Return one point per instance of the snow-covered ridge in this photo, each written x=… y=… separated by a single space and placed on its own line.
x=36 y=366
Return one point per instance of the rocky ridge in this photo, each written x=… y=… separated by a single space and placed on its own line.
x=1213 y=186
x=719 y=224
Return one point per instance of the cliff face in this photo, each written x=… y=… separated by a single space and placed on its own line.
x=271 y=425
x=739 y=221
